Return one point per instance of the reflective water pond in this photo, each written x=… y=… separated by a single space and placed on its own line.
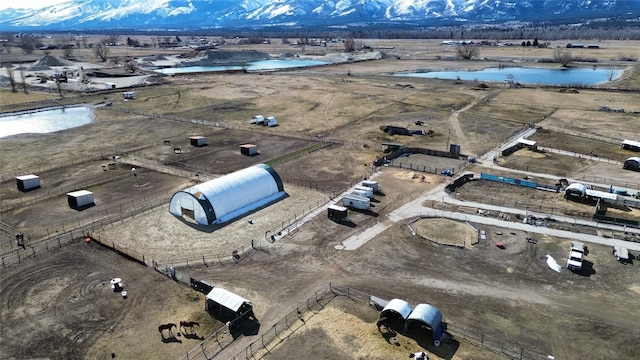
x=45 y=121
x=253 y=65
x=538 y=76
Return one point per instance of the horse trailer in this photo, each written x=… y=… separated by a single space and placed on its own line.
x=356 y=202
x=367 y=190
x=337 y=213
x=370 y=183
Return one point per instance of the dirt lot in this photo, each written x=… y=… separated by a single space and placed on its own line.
x=55 y=305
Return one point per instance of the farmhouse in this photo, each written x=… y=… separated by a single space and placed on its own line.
x=632 y=163
x=230 y=196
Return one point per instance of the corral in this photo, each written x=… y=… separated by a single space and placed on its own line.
x=497 y=302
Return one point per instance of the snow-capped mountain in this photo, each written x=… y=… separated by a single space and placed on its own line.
x=194 y=14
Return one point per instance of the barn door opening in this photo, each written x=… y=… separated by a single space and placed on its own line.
x=188 y=213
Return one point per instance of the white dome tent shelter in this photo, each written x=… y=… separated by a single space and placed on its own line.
x=230 y=196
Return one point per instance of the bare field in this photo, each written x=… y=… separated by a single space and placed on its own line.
x=56 y=306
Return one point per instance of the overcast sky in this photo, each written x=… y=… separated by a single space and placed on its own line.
x=28 y=4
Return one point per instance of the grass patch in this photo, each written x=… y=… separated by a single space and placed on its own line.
x=296 y=154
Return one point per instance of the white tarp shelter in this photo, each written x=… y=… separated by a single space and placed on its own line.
x=230 y=196
x=226 y=299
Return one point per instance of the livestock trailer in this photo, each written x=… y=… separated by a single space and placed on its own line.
x=248 y=149
x=337 y=213
x=28 y=182
x=356 y=202
x=80 y=199
x=198 y=141
x=367 y=190
x=371 y=183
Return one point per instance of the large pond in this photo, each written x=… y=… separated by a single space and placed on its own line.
x=253 y=65
x=537 y=76
x=45 y=121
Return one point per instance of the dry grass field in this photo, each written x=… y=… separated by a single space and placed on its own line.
x=56 y=306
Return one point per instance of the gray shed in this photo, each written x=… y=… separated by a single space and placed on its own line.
x=28 y=182
x=198 y=141
x=425 y=314
x=80 y=199
x=249 y=149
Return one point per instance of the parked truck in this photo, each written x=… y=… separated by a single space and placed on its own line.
x=576 y=256
x=356 y=202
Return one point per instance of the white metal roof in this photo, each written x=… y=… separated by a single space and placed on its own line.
x=27 y=177
x=79 y=193
x=526 y=141
x=230 y=193
x=399 y=306
x=602 y=194
x=631 y=143
x=428 y=314
x=634 y=158
x=227 y=299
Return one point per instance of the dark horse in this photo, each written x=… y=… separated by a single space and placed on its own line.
x=382 y=322
x=188 y=324
x=168 y=326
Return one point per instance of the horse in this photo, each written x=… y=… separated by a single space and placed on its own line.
x=188 y=324
x=168 y=326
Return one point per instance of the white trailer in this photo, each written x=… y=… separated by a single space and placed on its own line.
x=367 y=190
x=360 y=193
x=356 y=202
x=370 y=183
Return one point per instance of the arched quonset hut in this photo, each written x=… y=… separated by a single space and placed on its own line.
x=396 y=313
x=425 y=314
x=230 y=196
x=632 y=163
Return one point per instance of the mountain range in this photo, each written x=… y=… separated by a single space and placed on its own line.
x=212 y=14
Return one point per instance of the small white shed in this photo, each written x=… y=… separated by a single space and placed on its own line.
x=80 y=199
x=28 y=182
x=128 y=95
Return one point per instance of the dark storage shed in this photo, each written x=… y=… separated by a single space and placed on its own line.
x=632 y=163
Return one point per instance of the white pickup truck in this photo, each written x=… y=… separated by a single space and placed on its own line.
x=576 y=255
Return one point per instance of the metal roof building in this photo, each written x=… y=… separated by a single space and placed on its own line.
x=398 y=307
x=428 y=315
x=230 y=196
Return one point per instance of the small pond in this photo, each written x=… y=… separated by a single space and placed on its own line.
x=253 y=65
x=537 y=76
x=45 y=121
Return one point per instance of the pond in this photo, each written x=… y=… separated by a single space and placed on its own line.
x=45 y=121
x=253 y=65
x=537 y=76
